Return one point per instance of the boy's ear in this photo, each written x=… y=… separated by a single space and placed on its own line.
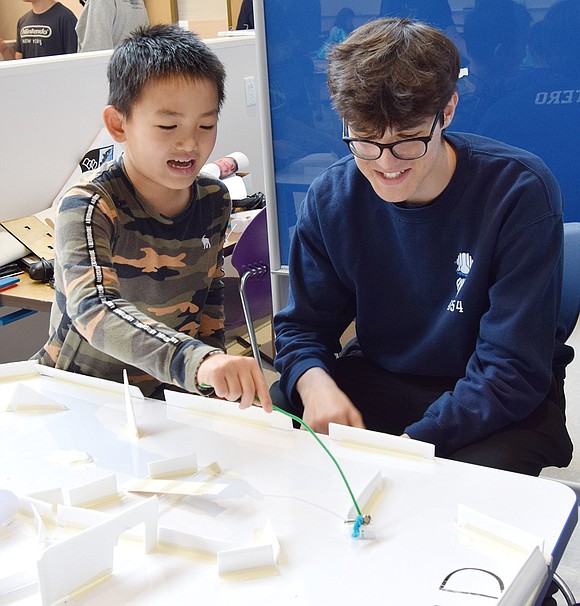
x=115 y=123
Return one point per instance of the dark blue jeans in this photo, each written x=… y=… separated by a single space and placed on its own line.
x=390 y=402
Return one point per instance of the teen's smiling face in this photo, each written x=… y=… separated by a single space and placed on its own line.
x=168 y=137
x=417 y=181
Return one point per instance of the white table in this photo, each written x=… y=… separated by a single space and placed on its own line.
x=272 y=475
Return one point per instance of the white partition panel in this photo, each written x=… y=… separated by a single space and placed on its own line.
x=50 y=112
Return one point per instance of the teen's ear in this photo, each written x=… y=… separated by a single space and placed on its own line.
x=115 y=123
x=449 y=110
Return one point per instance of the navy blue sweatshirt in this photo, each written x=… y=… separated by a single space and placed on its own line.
x=468 y=286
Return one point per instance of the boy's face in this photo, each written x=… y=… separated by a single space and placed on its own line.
x=414 y=181
x=168 y=137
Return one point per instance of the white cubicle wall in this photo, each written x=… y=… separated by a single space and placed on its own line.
x=50 y=112
x=239 y=125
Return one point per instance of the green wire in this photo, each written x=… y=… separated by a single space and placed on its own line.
x=308 y=428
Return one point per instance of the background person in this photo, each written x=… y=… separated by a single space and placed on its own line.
x=47 y=29
x=103 y=24
x=496 y=34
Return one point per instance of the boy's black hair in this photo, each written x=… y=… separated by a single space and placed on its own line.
x=158 y=52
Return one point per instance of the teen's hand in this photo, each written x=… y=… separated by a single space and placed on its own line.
x=325 y=403
x=235 y=378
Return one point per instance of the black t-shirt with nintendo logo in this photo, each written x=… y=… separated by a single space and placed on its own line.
x=49 y=33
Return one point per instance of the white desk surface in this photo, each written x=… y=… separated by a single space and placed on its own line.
x=272 y=474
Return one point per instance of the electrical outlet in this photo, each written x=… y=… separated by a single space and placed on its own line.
x=250 y=88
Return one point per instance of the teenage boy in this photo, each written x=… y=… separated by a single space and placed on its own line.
x=445 y=249
x=47 y=29
x=139 y=258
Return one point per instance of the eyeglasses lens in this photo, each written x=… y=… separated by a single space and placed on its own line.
x=404 y=150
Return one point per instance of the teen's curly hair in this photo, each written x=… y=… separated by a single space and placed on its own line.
x=392 y=74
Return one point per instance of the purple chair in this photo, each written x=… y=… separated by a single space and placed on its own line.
x=249 y=299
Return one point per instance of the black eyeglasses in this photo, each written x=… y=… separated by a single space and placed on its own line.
x=408 y=149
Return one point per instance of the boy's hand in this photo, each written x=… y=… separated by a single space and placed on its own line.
x=235 y=378
x=325 y=403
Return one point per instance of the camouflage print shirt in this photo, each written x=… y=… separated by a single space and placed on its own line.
x=136 y=289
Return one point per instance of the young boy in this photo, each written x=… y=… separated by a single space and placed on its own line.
x=139 y=242
x=446 y=249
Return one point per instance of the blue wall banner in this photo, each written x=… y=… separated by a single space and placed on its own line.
x=520 y=83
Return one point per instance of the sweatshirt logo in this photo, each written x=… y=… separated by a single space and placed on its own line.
x=463 y=263
x=205 y=241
